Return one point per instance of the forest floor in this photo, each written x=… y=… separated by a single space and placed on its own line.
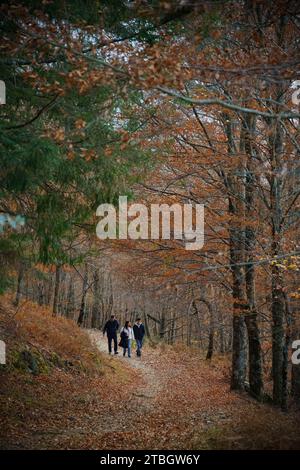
x=80 y=398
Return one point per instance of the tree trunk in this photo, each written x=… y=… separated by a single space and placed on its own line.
x=83 y=299
x=255 y=355
x=70 y=300
x=236 y=208
x=95 y=322
x=239 y=352
x=278 y=301
x=255 y=359
x=287 y=344
x=147 y=330
x=278 y=340
x=162 y=325
x=56 y=290
x=173 y=328
x=239 y=355
x=221 y=332
x=210 y=348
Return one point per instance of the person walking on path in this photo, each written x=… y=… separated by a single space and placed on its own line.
x=139 y=333
x=126 y=337
x=110 y=328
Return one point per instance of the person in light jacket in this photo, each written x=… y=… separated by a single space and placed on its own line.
x=127 y=336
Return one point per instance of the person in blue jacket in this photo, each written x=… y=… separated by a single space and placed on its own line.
x=139 y=333
x=110 y=328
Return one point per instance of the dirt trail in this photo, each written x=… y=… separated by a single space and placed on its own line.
x=113 y=423
x=151 y=378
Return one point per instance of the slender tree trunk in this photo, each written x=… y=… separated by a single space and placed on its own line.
x=239 y=355
x=95 y=322
x=278 y=339
x=255 y=355
x=278 y=301
x=199 y=325
x=255 y=360
x=239 y=345
x=83 y=298
x=56 y=290
x=211 y=335
x=70 y=300
x=189 y=331
x=162 y=324
x=210 y=348
x=221 y=332
x=61 y=293
x=48 y=292
x=147 y=330
x=173 y=327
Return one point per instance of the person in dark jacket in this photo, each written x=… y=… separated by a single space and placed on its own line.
x=111 y=327
x=139 y=333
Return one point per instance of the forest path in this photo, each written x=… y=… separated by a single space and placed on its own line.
x=152 y=380
x=172 y=393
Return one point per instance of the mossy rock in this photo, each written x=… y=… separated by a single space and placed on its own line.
x=56 y=360
x=31 y=361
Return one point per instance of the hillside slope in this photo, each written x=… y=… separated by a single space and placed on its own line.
x=55 y=379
